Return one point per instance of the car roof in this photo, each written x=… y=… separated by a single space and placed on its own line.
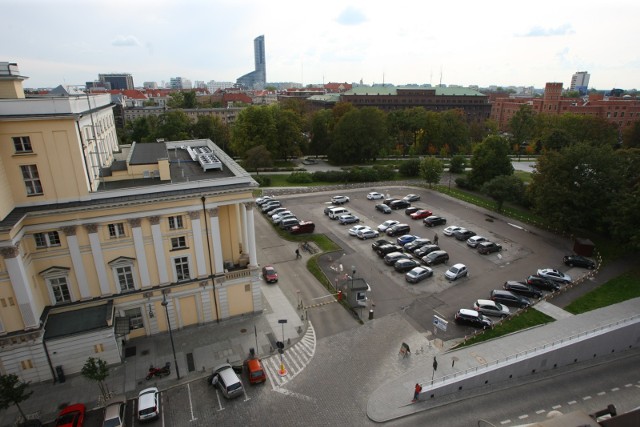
x=459 y=265
x=485 y=302
x=469 y=312
x=146 y=397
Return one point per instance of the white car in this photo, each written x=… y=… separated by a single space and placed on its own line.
x=148 y=404
x=353 y=231
x=339 y=200
x=456 y=271
x=367 y=234
x=374 y=195
x=451 y=229
x=555 y=275
x=389 y=223
x=474 y=241
x=277 y=217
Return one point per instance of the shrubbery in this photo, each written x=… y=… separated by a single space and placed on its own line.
x=410 y=168
x=263 y=180
x=300 y=178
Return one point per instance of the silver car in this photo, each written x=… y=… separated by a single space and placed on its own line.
x=225 y=378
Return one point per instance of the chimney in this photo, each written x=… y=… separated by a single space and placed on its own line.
x=11 y=81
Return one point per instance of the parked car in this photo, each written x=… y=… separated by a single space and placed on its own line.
x=555 y=275
x=387 y=249
x=463 y=234
x=114 y=412
x=225 y=378
x=353 y=231
x=542 y=283
x=411 y=209
x=393 y=257
x=433 y=220
x=472 y=318
x=303 y=227
x=268 y=207
x=71 y=416
x=406 y=238
x=327 y=209
x=398 y=230
x=269 y=274
x=411 y=198
x=277 y=211
x=579 y=261
x=418 y=274
x=416 y=244
x=522 y=289
x=389 y=200
x=382 y=242
x=348 y=219
x=491 y=308
x=310 y=161
x=426 y=250
x=421 y=214
x=451 y=229
x=289 y=223
x=339 y=200
x=148 y=404
x=385 y=225
x=404 y=265
x=337 y=211
x=456 y=271
x=509 y=298
x=262 y=200
x=367 y=234
x=281 y=218
x=255 y=370
x=383 y=208
x=374 y=195
x=488 y=247
x=474 y=241
x=435 y=257
x=399 y=204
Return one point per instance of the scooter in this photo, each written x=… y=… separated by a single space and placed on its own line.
x=159 y=372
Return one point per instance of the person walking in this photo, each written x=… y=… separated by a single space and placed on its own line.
x=416 y=393
x=298 y=254
x=435 y=239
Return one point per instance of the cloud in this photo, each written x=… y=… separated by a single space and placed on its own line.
x=351 y=16
x=126 y=41
x=562 y=30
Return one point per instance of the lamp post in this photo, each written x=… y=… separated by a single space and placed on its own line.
x=165 y=304
x=282 y=372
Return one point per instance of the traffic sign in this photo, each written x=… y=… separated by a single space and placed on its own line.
x=440 y=323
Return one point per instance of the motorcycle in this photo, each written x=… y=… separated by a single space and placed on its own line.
x=159 y=372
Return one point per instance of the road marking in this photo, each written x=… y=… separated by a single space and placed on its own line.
x=615 y=389
x=295 y=358
x=190 y=403
x=586 y=398
x=516 y=226
x=628 y=385
x=505 y=422
x=522 y=417
x=219 y=402
x=556 y=407
x=294 y=394
x=602 y=393
x=541 y=411
x=573 y=402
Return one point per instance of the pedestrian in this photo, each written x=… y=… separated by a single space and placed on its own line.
x=298 y=254
x=435 y=239
x=416 y=393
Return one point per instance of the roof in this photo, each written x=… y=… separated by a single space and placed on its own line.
x=393 y=90
x=77 y=321
x=148 y=153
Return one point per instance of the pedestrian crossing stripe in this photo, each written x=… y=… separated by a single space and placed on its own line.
x=294 y=358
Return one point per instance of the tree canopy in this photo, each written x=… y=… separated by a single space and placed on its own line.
x=13 y=392
x=490 y=159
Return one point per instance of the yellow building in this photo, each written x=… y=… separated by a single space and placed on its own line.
x=94 y=236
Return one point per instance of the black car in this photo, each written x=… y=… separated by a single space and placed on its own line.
x=463 y=234
x=411 y=209
x=579 y=261
x=383 y=208
x=522 y=289
x=425 y=250
x=418 y=243
x=398 y=230
x=381 y=242
x=399 y=204
x=404 y=265
x=472 y=318
x=387 y=249
x=393 y=257
x=435 y=257
x=488 y=247
x=433 y=220
x=509 y=298
x=389 y=200
x=542 y=283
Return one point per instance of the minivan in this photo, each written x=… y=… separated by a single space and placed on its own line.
x=225 y=378
x=148 y=404
x=336 y=212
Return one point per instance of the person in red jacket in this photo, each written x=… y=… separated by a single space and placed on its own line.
x=416 y=393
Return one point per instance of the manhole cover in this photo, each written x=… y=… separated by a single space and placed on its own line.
x=242 y=331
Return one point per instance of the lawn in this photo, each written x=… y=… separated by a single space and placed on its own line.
x=621 y=288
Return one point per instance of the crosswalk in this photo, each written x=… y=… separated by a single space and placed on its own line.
x=294 y=358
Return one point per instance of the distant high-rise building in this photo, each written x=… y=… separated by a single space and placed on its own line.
x=580 y=82
x=117 y=81
x=256 y=79
x=150 y=85
x=213 y=85
x=179 y=83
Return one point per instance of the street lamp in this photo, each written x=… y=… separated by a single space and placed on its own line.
x=165 y=304
x=282 y=372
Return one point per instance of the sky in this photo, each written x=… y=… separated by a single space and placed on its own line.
x=463 y=42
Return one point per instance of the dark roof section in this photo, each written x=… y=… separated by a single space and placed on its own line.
x=148 y=153
x=77 y=321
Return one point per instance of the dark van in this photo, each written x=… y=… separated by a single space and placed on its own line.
x=303 y=227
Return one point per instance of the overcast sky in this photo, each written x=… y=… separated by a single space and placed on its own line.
x=464 y=42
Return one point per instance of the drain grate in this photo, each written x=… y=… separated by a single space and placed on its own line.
x=130 y=351
x=191 y=366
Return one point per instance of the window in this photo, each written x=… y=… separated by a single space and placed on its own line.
x=175 y=222
x=182 y=268
x=116 y=230
x=178 y=242
x=60 y=289
x=124 y=277
x=45 y=240
x=135 y=318
x=22 y=144
x=31 y=179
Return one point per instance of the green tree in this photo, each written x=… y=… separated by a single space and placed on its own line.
x=321 y=128
x=624 y=213
x=431 y=170
x=359 y=136
x=257 y=157
x=457 y=164
x=211 y=127
x=454 y=131
x=289 y=137
x=189 y=99
x=12 y=392
x=174 y=126
x=522 y=126
x=255 y=125
x=176 y=100
x=410 y=168
x=556 y=139
x=96 y=369
x=490 y=159
x=504 y=188
x=406 y=126
x=631 y=136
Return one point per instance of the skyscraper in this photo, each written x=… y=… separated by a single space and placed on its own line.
x=580 y=82
x=117 y=81
x=256 y=79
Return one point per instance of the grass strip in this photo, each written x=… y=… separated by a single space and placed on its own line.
x=619 y=289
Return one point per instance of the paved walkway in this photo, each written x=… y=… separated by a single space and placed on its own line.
x=552 y=310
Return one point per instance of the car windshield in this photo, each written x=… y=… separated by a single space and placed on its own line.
x=112 y=422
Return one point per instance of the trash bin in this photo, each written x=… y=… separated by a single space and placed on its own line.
x=370 y=314
x=60 y=374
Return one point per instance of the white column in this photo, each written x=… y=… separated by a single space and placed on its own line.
x=138 y=244
x=98 y=259
x=21 y=286
x=243 y=225
x=217 y=243
x=158 y=249
x=253 y=258
x=200 y=249
x=76 y=260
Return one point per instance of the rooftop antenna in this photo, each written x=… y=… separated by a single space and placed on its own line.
x=440 y=76
x=383 y=79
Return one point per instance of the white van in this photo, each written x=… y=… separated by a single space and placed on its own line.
x=336 y=212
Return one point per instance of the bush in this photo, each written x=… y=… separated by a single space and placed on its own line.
x=300 y=178
x=410 y=168
x=458 y=164
x=464 y=183
x=330 y=176
x=264 y=181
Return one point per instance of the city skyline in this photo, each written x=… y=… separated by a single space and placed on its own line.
x=493 y=43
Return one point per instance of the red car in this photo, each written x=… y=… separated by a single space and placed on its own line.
x=270 y=274
x=71 y=416
x=422 y=213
